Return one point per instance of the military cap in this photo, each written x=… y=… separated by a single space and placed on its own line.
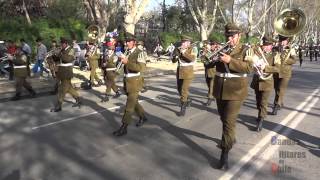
x=130 y=37
x=63 y=40
x=267 y=41
x=283 y=38
x=186 y=38
x=231 y=29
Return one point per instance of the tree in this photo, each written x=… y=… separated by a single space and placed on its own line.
x=99 y=13
x=204 y=15
x=134 y=10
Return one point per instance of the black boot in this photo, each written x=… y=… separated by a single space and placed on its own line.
x=16 y=97
x=209 y=102
x=224 y=160
x=78 y=102
x=183 y=109
x=259 y=125
x=33 y=93
x=141 y=121
x=189 y=101
x=105 y=98
x=275 y=109
x=121 y=131
x=118 y=94
x=57 y=108
x=100 y=83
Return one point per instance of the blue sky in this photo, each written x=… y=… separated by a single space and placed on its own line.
x=155 y=3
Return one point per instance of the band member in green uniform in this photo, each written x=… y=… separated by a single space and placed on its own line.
x=185 y=55
x=20 y=65
x=230 y=88
x=65 y=74
x=93 y=59
x=287 y=57
x=263 y=83
x=109 y=72
x=133 y=65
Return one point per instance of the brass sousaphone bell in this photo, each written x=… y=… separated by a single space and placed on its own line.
x=290 y=22
x=93 y=33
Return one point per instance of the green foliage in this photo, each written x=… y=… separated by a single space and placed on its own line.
x=48 y=29
x=172 y=37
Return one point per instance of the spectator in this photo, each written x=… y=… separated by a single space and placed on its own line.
x=25 y=47
x=158 y=50
x=170 y=50
x=40 y=57
x=11 y=49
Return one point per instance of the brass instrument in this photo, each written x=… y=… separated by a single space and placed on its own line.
x=213 y=56
x=258 y=61
x=93 y=33
x=120 y=64
x=51 y=60
x=290 y=23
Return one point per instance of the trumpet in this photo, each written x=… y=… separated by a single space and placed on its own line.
x=119 y=64
x=212 y=57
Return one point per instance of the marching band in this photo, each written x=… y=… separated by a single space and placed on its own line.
x=227 y=68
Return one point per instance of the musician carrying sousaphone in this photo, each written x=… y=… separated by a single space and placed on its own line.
x=260 y=84
x=288 y=24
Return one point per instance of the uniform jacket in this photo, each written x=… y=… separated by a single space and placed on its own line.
x=189 y=56
x=66 y=56
x=286 y=64
x=234 y=88
x=21 y=60
x=134 y=65
x=265 y=85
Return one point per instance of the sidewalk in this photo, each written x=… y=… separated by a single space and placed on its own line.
x=44 y=85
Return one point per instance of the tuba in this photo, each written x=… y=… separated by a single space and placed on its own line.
x=93 y=33
x=290 y=23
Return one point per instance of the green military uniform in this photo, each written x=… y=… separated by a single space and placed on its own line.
x=132 y=85
x=109 y=72
x=21 y=64
x=210 y=71
x=53 y=60
x=144 y=65
x=263 y=87
x=281 y=79
x=93 y=59
x=186 y=59
x=230 y=90
x=64 y=76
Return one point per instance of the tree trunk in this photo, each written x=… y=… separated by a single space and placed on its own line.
x=133 y=14
x=203 y=33
x=26 y=12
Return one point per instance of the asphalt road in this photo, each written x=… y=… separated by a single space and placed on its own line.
x=77 y=144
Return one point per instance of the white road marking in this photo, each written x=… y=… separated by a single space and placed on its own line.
x=254 y=151
x=81 y=116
